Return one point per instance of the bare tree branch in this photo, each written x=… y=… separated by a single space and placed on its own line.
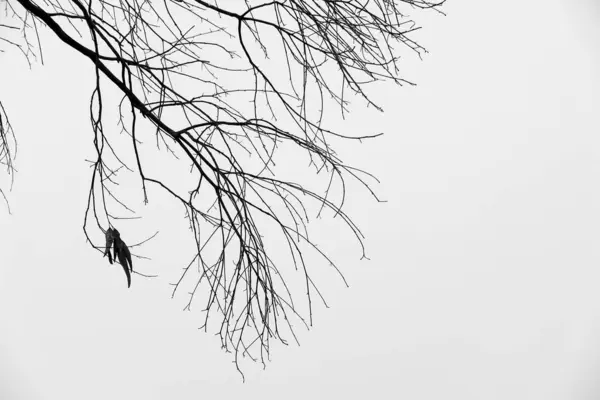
x=227 y=87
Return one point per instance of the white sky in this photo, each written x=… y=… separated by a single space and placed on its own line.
x=484 y=272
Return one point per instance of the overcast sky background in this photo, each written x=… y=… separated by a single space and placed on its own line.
x=484 y=275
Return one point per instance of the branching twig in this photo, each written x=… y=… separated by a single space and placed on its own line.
x=216 y=82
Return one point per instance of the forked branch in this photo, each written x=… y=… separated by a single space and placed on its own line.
x=229 y=88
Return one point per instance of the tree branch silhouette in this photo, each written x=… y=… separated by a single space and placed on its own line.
x=223 y=87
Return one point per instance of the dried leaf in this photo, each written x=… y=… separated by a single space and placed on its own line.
x=122 y=253
x=109 y=243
